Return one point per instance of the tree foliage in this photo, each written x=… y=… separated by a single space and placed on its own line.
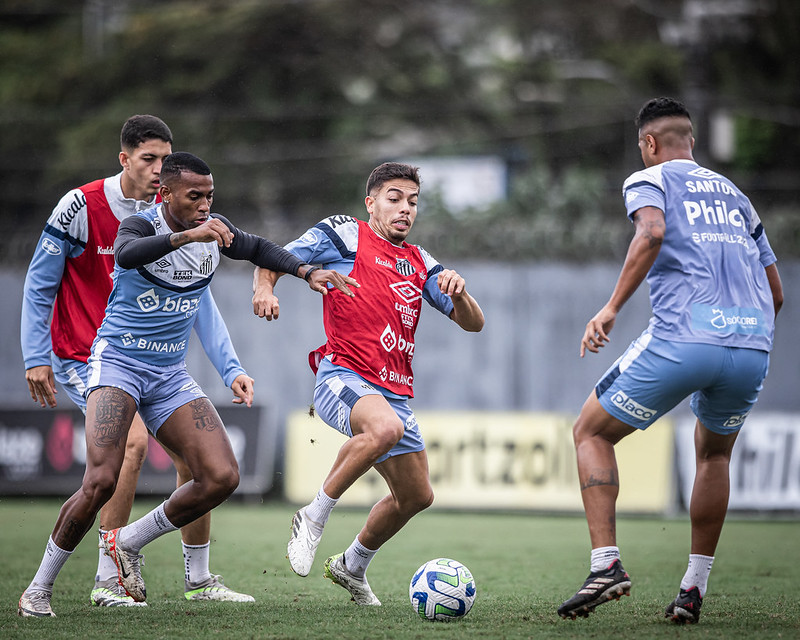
x=292 y=102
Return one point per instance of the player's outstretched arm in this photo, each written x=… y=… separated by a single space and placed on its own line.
x=466 y=313
x=265 y=302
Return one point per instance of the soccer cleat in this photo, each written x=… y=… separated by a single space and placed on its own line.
x=600 y=586
x=302 y=544
x=358 y=587
x=110 y=593
x=685 y=609
x=35 y=604
x=214 y=589
x=128 y=566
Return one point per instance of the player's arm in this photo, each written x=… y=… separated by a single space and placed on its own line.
x=775 y=286
x=466 y=312
x=216 y=341
x=642 y=253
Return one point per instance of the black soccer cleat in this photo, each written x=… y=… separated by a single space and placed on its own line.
x=601 y=586
x=685 y=609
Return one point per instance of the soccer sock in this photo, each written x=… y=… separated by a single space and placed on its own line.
x=697 y=573
x=106 y=569
x=52 y=561
x=357 y=558
x=319 y=511
x=146 y=529
x=602 y=557
x=195 y=561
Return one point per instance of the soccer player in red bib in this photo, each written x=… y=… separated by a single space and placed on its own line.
x=363 y=372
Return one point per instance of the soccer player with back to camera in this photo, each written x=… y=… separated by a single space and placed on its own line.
x=70 y=276
x=363 y=373
x=137 y=364
x=714 y=291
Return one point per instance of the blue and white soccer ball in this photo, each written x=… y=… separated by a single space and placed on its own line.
x=442 y=589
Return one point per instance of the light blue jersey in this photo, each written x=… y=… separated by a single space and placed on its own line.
x=152 y=309
x=708 y=283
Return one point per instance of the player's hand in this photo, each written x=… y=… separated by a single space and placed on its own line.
x=450 y=283
x=42 y=385
x=320 y=277
x=242 y=388
x=597 y=330
x=212 y=230
x=265 y=304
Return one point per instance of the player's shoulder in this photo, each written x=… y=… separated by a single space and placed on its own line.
x=653 y=176
x=427 y=258
x=340 y=229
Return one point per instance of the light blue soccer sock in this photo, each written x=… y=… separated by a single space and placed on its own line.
x=319 y=511
x=195 y=562
x=106 y=569
x=53 y=560
x=357 y=558
x=146 y=529
x=697 y=573
x=602 y=557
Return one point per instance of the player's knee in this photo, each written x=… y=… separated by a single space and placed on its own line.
x=98 y=486
x=417 y=502
x=222 y=481
x=386 y=434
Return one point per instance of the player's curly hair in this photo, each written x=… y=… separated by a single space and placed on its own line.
x=391 y=171
x=660 y=108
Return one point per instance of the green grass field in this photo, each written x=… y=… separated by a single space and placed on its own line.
x=524 y=566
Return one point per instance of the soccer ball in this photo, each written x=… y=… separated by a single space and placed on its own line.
x=442 y=589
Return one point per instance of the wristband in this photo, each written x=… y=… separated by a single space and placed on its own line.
x=309 y=272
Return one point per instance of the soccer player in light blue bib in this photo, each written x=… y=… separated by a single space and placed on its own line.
x=165 y=260
x=714 y=291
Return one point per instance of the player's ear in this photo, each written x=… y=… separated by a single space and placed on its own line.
x=164 y=191
x=124 y=160
x=369 y=201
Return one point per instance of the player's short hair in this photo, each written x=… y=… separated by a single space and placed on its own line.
x=141 y=128
x=176 y=163
x=660 y=108
x=391 y=171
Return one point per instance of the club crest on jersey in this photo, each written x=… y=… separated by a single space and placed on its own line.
x=404 y=267
x=206 y=265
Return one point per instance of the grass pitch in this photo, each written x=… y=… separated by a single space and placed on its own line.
x=524 y=565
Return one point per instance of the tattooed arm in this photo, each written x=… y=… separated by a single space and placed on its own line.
x=642 y=253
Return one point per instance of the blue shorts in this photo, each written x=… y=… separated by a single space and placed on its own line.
x=654 y=375
x=335 y=396
x=158 y=391
x=72 y=375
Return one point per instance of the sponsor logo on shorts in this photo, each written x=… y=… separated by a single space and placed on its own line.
x=735 y=422
x=631 y=407
x=48 y=246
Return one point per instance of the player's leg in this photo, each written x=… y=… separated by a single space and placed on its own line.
x=107 y=591
x=352 y=406
x=199 y=582
x=194 y=432
x=108 y=417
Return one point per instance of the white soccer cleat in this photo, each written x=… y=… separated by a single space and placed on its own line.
x=302 y=544
x=214 y=589
x=358 y=587
x=128 y=566
x=110 y=593
x=35 y=604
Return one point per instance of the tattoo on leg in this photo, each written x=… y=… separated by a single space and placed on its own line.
x=205 y=418
x=607 y=478
x=113 y=417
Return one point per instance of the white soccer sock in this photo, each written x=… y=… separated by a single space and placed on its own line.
x=357 y=558
x=697 y=573
x=602 y=557
x=106 y=569
x=146 y=529
x=54 y=558
x=319 y=511
x=195 y=562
